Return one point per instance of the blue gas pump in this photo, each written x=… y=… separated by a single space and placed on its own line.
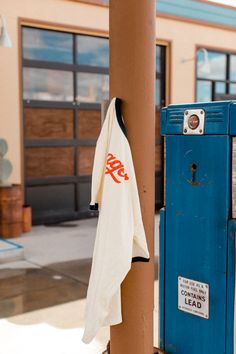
x=197 y=229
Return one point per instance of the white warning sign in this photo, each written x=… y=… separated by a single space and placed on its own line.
x=193 y=297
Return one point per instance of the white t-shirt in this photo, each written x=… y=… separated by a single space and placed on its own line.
x=120 y=237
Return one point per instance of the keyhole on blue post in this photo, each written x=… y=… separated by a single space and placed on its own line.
x=194 y=172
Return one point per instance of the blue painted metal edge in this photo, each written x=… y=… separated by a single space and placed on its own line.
x=16 y=245
x=230 y=288
x=232 y=123
x=162 y=278
x=163 y=120
x=198 y=10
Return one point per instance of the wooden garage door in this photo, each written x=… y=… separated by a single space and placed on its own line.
x=65 y=79
x=59 y=152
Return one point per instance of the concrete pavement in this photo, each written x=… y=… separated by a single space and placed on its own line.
x=43 y=301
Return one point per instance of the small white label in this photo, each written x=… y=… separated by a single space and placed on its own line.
x=193 y=297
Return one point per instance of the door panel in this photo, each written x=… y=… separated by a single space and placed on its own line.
x=84 y=195
x=85 y=160
x=49 y=161
x=197 y=199
x=54 y=200
x=89 y=124
x=48 y=123
x=62 y=97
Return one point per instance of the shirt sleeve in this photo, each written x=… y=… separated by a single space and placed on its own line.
x=99 y=164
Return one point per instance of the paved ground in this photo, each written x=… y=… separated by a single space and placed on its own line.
x=42 y=297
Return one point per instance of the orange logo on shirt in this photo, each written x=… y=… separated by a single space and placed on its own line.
x=115 y=168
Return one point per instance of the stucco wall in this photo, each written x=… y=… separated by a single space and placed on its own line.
x=57 y=11
x=183 y=37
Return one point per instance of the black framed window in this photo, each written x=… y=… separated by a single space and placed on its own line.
x=216 y=75
x=160 y=102
x=65 y=80
x=64 y=67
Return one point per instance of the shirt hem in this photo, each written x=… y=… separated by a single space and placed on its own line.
x=140 y=259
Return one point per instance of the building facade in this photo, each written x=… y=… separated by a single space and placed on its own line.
x=56 y=75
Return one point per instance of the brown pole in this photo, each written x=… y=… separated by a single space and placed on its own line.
x=132 y=78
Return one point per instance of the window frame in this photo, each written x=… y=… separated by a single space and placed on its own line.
x=213 y=82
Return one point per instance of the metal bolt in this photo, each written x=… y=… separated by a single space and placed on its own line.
x=200 y=131
x=201 y=112
x=185 y=130
x=186 y=113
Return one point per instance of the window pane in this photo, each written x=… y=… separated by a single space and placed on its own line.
x=203 y=91
x=158 y=92
x=93 y=88
x=48 y=85
x=220 y=87
x=85 y=160
x=43 y=161
x=89 y=124
x=232 y=88
x=92 y=51
x=48 y=123
x=47 y=45
x=233 y=67
x=51 y=199
x=158 y=58
x=211 y=65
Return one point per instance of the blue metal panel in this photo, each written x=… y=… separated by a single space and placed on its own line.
x=197 y=213
x=216 y=119
x=162 y=277
x=196 y=10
